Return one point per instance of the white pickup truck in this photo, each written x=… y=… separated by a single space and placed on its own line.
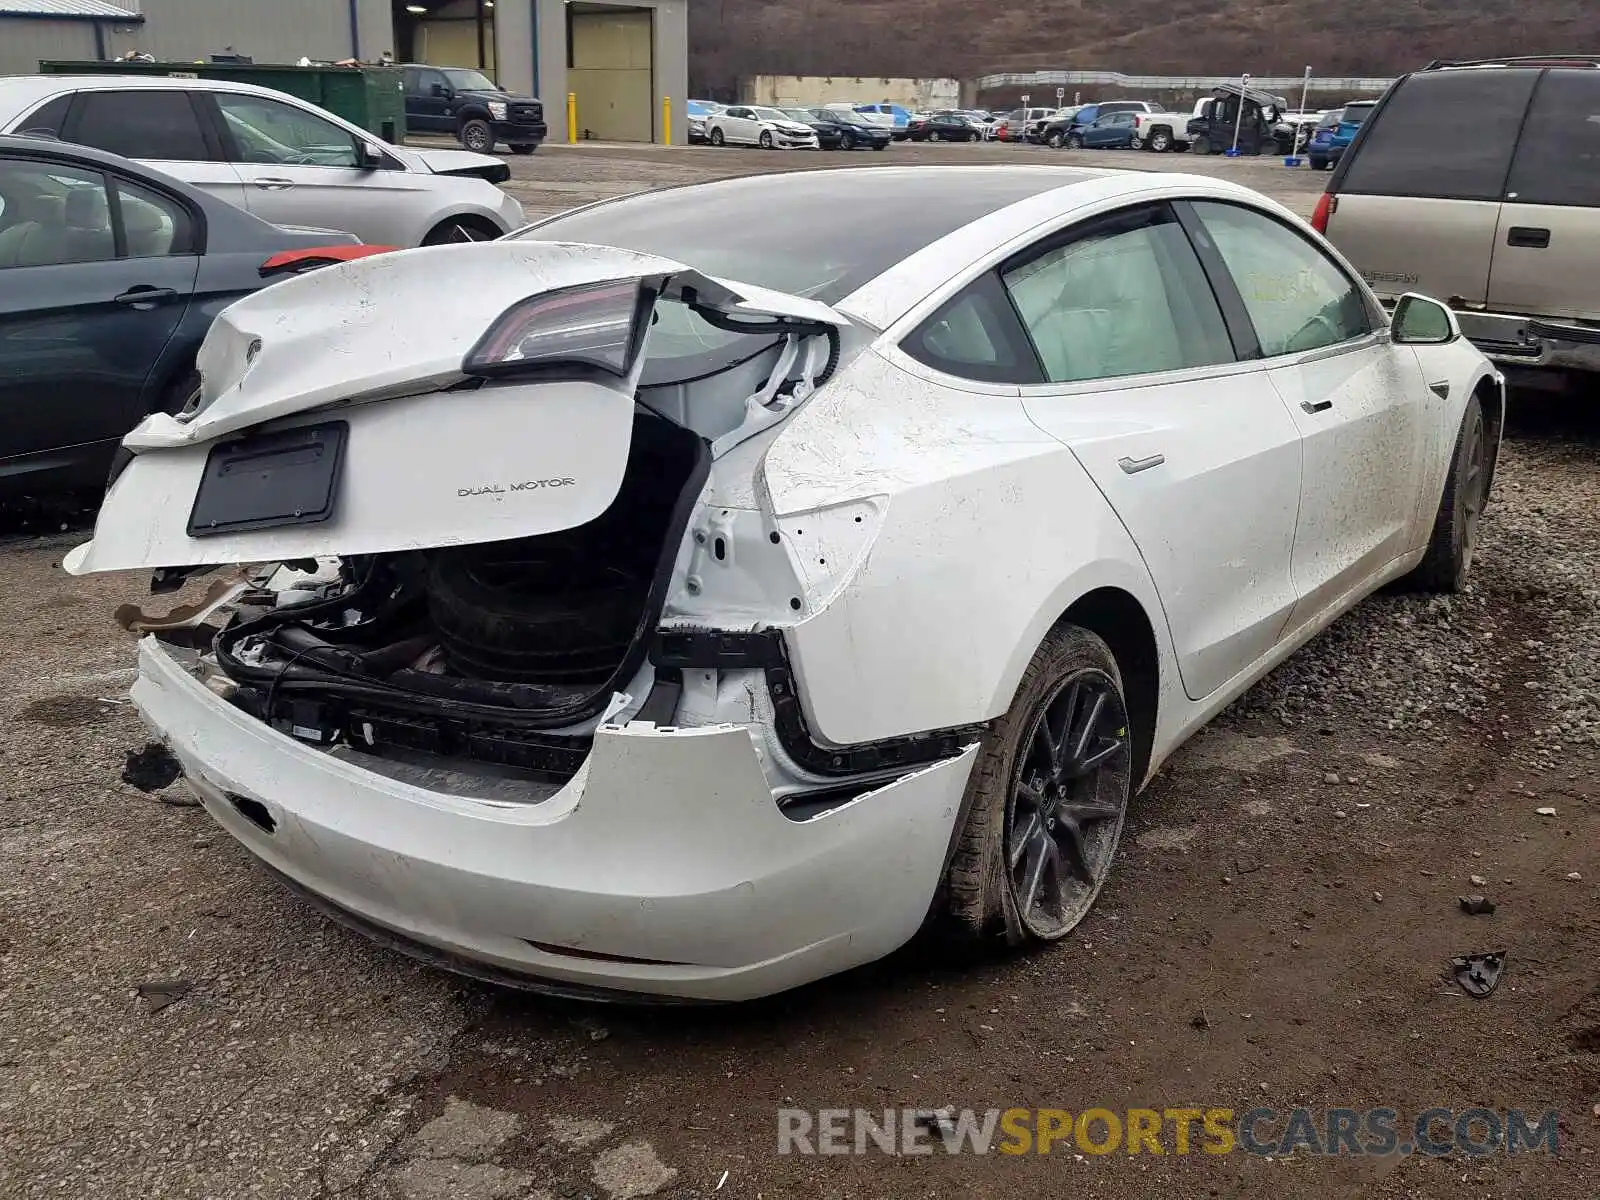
x=1162 y=131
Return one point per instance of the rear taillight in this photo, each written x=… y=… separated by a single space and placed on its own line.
x=1327 y=205
x=296 y=262
x=599 y=325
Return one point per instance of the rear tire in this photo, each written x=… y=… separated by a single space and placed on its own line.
x=1073 y=142
x=1045 y=810
x=524 y=147
x=880 y=145
x=533 y=612
x=1319 y=164
x=1054 y=140
x=1201 y=145
x=1159 y=142
x=1448 y=561
x=935 y=136
x=765 y=140
x=717 y=138
x=475 y=135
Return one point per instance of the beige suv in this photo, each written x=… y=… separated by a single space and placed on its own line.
x=1479 y=183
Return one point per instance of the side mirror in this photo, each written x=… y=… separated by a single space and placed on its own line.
x=370 y=157
x=1419 y=321
x=440 y=91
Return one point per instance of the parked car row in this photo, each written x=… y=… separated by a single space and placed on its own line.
x=833 y=126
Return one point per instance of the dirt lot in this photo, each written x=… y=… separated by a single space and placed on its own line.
x=1277 y=932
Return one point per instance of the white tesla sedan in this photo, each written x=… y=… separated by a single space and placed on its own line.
x=697 y=606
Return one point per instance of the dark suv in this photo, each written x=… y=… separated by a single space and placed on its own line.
x=1479 y=183
x=473 y=108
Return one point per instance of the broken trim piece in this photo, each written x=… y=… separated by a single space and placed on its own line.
x=687 y=649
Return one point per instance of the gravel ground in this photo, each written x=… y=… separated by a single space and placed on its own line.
x=1276 y=933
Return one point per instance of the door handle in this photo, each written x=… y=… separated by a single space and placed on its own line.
x=1134 y=465
x=144 y=297
x=274 y=184
x=1317 y=406
x=1524 y=235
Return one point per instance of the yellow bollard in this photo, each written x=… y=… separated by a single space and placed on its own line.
x=572 y=118
x=666 y=120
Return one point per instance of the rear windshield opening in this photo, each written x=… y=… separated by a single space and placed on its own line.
x=1354 y=114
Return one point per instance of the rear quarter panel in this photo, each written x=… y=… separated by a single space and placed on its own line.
x=989 y=532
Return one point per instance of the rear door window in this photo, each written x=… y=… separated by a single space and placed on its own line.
x=1445 y=135
x=141 y=124
x=1125 y=295
x=1558 y=157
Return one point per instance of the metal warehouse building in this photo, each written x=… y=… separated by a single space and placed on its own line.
x=622 y=60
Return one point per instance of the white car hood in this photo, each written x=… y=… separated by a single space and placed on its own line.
x=443 y=162
x=791 y=126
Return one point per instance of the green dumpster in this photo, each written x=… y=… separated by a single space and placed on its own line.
x=371 y=97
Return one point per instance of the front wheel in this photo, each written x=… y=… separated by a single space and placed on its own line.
x=765 y=140
x=880 y=145
x=524 y=147
x=1054 y=140
x=935 y=136
x=1448 y=561
x=1201 y=145
x=476 y=136
x=1074 y=142
x=1048 y=797
x=717 y=138
x=1319 y=164
x=1159 y=142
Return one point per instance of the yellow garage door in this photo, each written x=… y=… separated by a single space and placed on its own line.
x=611 y=74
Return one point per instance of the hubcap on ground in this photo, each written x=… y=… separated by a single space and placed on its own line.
x=1068 y=797
x=1470 y=496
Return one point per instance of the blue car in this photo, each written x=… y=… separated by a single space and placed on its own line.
x=1113 y=131
x=1335 y=132
x=900 y=116
x=1074 y=129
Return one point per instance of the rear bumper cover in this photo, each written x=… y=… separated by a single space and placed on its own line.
x=663 y=869
x=1514 y=340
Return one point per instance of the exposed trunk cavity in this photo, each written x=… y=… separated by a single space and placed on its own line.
x=479 y=651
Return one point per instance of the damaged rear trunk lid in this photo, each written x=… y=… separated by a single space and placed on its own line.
x=436 y=397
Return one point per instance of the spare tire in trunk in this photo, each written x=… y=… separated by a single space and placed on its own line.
x=533 y=611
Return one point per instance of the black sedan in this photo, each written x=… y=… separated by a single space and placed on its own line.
x=110 y=275
x=949 y=126
x=847 y=130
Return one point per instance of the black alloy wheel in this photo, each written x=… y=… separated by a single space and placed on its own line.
x=1068 y=798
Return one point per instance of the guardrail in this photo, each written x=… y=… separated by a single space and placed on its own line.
x=1187 y=83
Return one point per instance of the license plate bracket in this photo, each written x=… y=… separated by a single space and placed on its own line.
x=270 y=480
